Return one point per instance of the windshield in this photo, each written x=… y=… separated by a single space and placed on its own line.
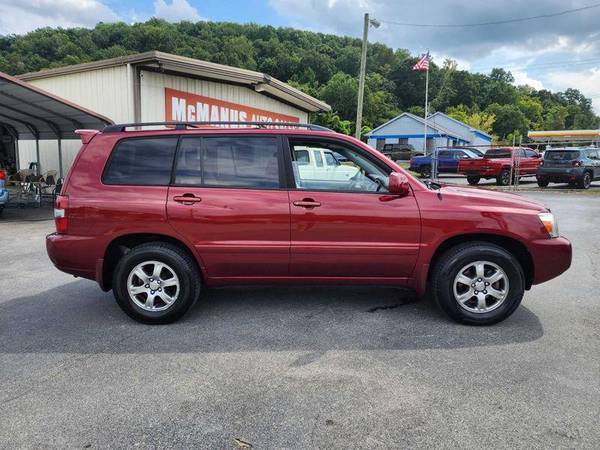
x=498 y=153
x=561 y=155
x=472 y=154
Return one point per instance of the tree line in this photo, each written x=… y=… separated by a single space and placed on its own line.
x=325 y=66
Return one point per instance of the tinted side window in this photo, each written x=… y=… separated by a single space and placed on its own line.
x=228 y=162
x=141 y=162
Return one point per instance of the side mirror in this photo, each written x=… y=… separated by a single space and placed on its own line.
x=398 y=184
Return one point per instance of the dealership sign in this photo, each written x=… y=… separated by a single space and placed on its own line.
x=186 y=107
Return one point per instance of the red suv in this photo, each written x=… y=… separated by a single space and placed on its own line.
x=155 y=215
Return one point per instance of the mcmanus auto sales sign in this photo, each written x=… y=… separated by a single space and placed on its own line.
x=186 y=107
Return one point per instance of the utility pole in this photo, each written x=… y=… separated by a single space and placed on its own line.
x=363 y=70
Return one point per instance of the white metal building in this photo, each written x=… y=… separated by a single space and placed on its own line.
x=156 y=86
x=442 y=131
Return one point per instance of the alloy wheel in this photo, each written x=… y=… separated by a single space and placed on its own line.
x=153 y=286
x=480 y=287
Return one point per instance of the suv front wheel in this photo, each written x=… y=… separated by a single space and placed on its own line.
x=478 y=283
x=156 y=283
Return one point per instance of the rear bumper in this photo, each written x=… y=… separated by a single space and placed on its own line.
x=551 y=257
x=72 y=254
x=560 y=175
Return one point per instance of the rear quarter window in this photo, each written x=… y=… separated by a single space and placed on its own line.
x=141 y=162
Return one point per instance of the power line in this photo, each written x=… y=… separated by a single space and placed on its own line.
x=497 y=22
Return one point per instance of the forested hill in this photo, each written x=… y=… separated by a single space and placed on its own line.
x=325 y=66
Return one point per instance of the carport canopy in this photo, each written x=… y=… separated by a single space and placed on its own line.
x=28 y=112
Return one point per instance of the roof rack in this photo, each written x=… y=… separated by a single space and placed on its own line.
x=185 y=125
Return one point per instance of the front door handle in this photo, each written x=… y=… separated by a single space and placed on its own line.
x=187 y=199
x=307 y=203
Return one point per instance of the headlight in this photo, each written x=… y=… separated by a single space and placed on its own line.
x=550 y=223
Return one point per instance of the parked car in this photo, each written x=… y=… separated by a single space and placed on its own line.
x=447 y=161
x=576 y=166
x=497 y=162
x=156 y=215
x=400 y=152
x=3 y=191
x=322 y=164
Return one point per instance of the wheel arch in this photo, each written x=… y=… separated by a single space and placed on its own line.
x=125 y=243
x=514 y=246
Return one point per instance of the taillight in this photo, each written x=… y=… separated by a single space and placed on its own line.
x=61 y=218
x=2 y=175
x=577 y=163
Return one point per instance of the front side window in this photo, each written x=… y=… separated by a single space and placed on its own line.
x=141 y=162
x=346 y=170
x=249 y=162
x=330 y=159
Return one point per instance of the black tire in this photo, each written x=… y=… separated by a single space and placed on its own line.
x=504 y=178
x=452 y=261
x=181 y=263
x=425 y=171
x=542 y=182
x=586 y=181
x=473 y=180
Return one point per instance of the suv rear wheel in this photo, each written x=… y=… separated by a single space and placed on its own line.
x=542 y=182
x=156 y=283
x=478 y=283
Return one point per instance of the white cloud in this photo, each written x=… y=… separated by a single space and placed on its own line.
x=177 y=11
x=587 y=81
x=522 y=78
x=22 y=16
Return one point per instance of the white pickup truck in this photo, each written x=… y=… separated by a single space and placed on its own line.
x=322 y=164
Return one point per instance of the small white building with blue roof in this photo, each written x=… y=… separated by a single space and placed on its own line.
x=442 y=131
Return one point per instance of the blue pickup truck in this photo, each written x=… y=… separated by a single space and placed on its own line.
x=447 y=161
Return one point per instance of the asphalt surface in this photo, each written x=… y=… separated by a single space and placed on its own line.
x=309 y=367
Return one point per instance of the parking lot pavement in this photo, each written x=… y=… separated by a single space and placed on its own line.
x=308 y=367
x=526 y=184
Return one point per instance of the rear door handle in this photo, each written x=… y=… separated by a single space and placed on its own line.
x=187 y=199
x=307 y=203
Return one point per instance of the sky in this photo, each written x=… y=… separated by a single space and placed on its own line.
x=553 y=52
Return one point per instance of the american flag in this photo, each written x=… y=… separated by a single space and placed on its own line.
x=422 y=64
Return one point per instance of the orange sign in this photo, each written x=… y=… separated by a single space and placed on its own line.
x=186 y=107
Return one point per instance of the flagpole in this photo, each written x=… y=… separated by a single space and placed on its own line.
x=426 y=104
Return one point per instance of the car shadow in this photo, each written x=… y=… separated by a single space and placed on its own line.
x=78 y=318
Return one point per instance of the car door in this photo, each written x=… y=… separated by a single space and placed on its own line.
x=350 y=228
x=594 y=158
x=226 y=199
x=529 y=161
x=446 y=161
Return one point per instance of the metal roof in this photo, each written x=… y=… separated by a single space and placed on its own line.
x=565 y=136
x=258 y=81
x=28 y=112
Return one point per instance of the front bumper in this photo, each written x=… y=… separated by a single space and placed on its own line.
x=551 y=257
